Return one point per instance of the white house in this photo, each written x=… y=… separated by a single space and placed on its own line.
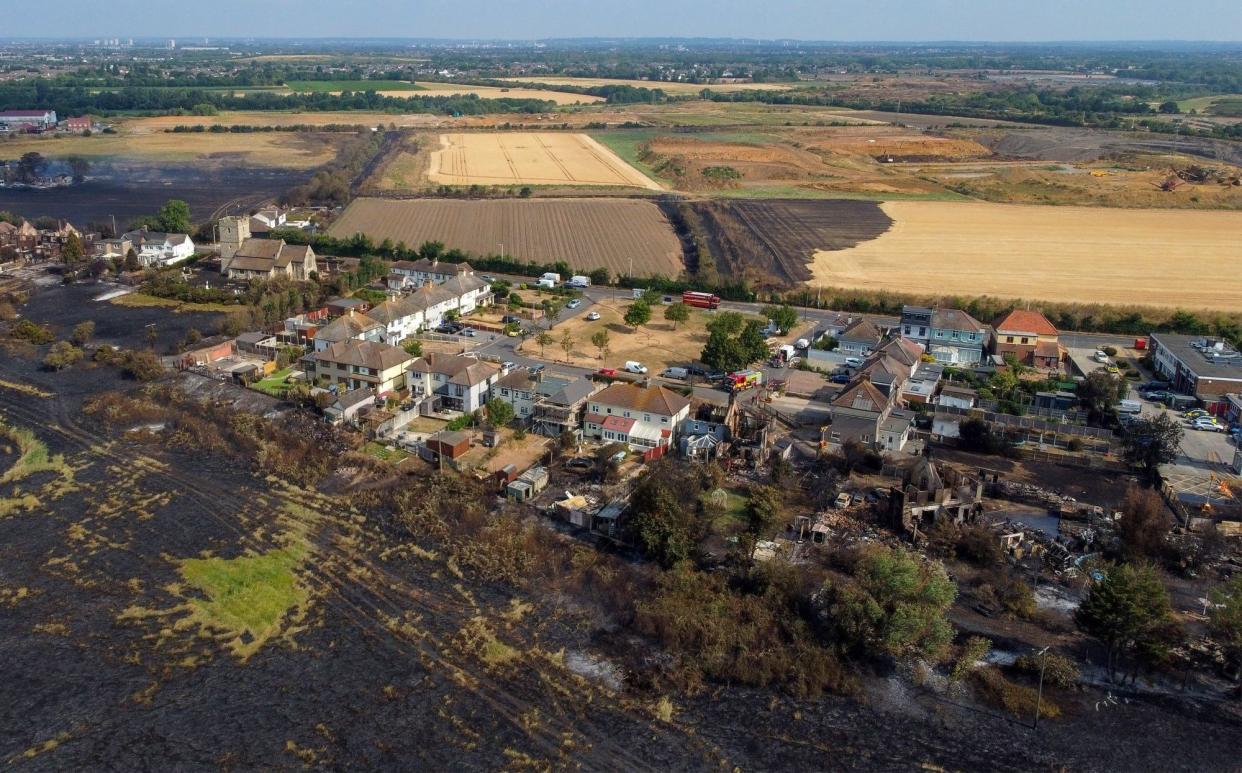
x=353 y=326
x=461 y=383
x=428 y=306
x=636 y=415
x=409 y=274
x=164 y=249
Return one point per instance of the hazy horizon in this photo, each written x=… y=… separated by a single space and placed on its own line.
x=881 y=21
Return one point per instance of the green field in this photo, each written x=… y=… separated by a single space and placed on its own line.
x=328 y=86
x=1217 y=104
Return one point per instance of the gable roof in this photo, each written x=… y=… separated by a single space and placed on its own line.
x=346 y=327
x=653 y=399
x=862 y=330
x=366 y=354
x=1026 y=321
x=956 y=319
x=862 y=396
x=573 y=392
x=902 y=350
x=465 y=371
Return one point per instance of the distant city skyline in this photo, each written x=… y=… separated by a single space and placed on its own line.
x=820 y=20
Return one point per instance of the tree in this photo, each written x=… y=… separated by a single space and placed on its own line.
x=413 y=347
x=784 y=316
x=1143 y=525
x=567 y=343
x=896 y=604
x=544 y=339
x=723 y=352
x=82 y=332
x=1225 y=622
x=764 y=509
x=638 y=314
x=1147 y=443
x=30 y=167
x=71 y=252
x=727 y=322
x=826 y=344
x=499 y=412
x=752 y=342
x=677 y=313
x=1170 y=108
x=599 y=276
x=1128 y=611
x=174 y=217
x=663 y=513
x=599 y=339
x=61 y=355
x=131 y=260
x=1100 y=392
x=78 y=167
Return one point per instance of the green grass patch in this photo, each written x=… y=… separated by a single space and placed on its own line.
x=385 y=453
x=248 y=597
x=347 y=85
x=32 y=456
x=142 y=301
x=727 y=511
x=274 y=385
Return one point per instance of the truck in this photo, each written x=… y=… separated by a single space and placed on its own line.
x=700 y=300
x=744 y=379
x=580 y=282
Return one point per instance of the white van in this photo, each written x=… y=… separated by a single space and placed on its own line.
x=635 y=367
x=554 y=278
x=1129 y=406
x=681 y=374
x=580 y=282
x=547 y=284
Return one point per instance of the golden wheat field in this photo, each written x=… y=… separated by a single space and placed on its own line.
x=1158 y=257
x=621 y=235
x=530 y=158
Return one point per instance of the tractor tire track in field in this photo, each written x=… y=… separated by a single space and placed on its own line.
x=371 y=597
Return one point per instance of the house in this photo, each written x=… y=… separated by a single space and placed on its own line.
x=411 y=274
x=1208 y=368
x=561 y=411
x=864 y=413
x=16 y=120
x=458 y=383
x=524 y=390
x=350 y=327
x=430 y=305
x=951 y=336
x=1030 y=338
x=710 y=427
x=78 y=124
x=340 y=306
x=266 y=219
x=929 y=494
x=268 y=259
x=859 y=339
x=957 y=396
x=158 y=249
x=636 y=415
x=349 y=405
x=355 y=364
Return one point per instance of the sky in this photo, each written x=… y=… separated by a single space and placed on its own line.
x=843 y=20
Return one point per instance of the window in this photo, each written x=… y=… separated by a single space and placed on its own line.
x=505 y=392
x=647 y=417
x=1025 y=339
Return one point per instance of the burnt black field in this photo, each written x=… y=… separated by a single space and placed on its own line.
x=382 y=674
x=127 y=191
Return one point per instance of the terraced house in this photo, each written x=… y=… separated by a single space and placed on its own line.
x=644 y=416
x=409 y=274
x=428 y=306
x=952 y=336
x=355 y=364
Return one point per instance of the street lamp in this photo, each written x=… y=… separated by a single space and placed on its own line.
x=1039 y=696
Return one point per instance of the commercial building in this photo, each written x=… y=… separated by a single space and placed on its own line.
x=1208 y=368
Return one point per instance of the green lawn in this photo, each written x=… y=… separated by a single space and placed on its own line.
x=733 y=512
x=248 y=595
x=326 y=86
x=385 y=453
x=274 y=385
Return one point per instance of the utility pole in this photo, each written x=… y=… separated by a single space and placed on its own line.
x=1039 y=696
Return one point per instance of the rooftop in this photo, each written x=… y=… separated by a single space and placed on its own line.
x=652 y=399
x=1025 y=321
x=1206 y=357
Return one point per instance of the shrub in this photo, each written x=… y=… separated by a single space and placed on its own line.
x=1111 y=351
x=62 y=355
x=1019 y=700
x=32 y=333
x=1059 y=671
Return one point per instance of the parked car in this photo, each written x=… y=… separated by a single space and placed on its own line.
x=508 y=365
x=853 y=362
x=469 y=332
x=840 y=378
x=580 y=464
x=633 y=366
x=1204 y=426
x=511 y=319
x=592 y=316
x=1156 y=396
x=575 y=303
x=1195 y=413
x=513 y=332
x=677 y=373
x=1100 y=356
x=488 y=278
x=609 y=372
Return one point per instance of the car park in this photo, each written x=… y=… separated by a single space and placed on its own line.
x=575 y=303
x=592 y=316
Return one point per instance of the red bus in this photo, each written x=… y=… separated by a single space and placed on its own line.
x=701 y=300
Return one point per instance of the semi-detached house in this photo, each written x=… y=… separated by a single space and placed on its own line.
x=457 y=383
x=407 y=274
x=356 y=364
x=646 y=416
x=428 y=306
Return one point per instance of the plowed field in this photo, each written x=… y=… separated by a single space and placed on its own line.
x=530 y=158
x=1186 y=259
x=587 y=233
